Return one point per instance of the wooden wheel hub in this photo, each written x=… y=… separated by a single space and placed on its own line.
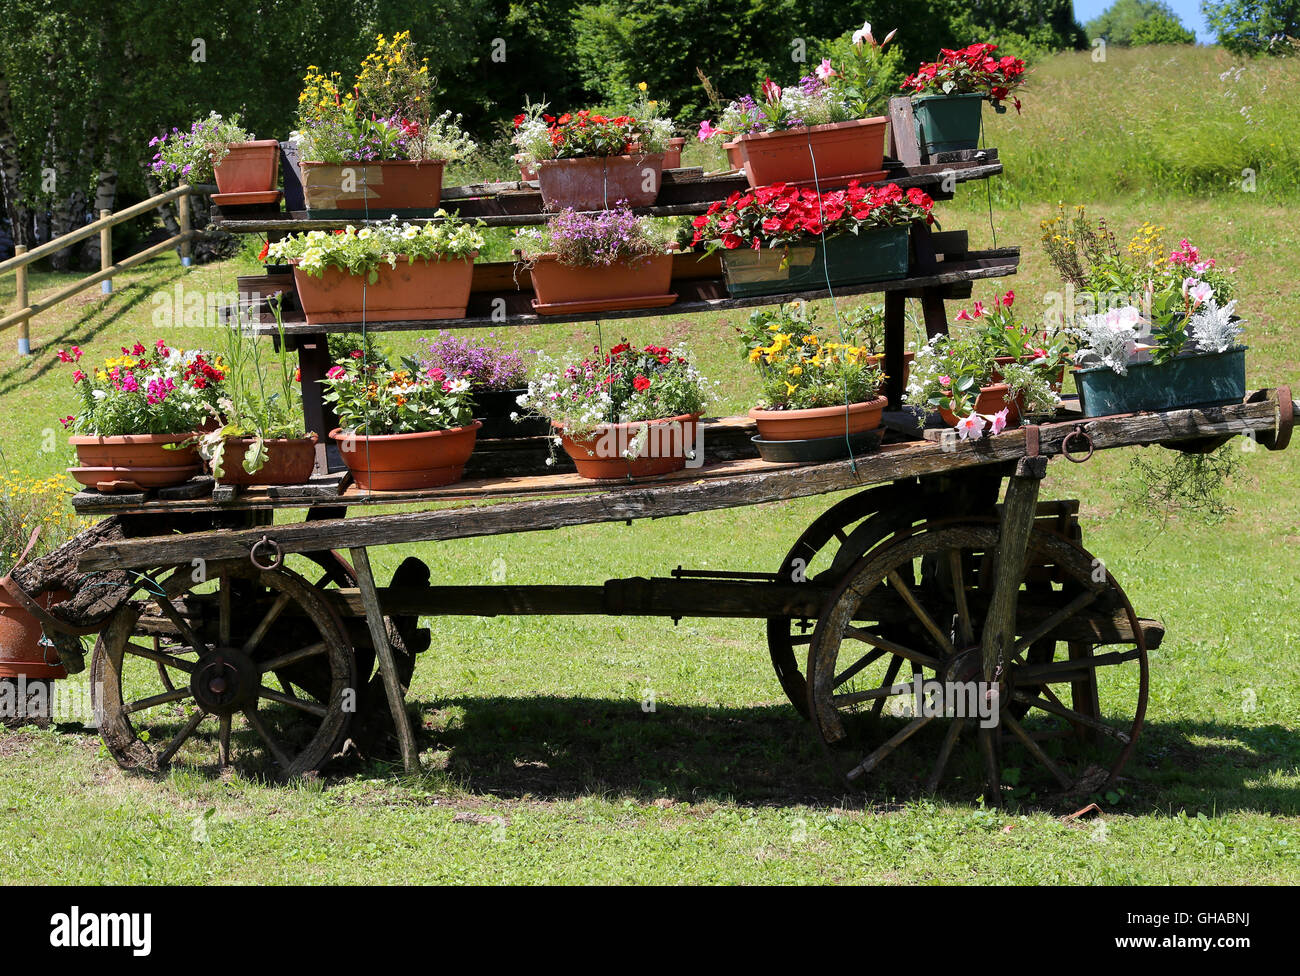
x=225 y=680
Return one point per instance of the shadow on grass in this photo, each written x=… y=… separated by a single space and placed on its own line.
x=561 y=748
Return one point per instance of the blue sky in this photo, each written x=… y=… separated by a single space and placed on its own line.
x=1189 y=12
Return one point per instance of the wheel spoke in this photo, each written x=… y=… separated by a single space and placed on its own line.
x=874 y=694
x=1035 y=750
x=891 y=673
x=187 y=632
x=277 y=608
x=945 y=751
x=965 y=628
x=224 y=612
x=905 y=591
x=1060 y=671
x=1045 y=627
x=161 y=699
x=893 y=647
x=874 y=760
x=165 y=756
x=293 y=657
x=255 y=720
x=294 y=701
x=872 y=655
x=224 y=737
x=156 y=655
x=1073 y=716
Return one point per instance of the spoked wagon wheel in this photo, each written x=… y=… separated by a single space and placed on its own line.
x=917 y=606
x=224 y=641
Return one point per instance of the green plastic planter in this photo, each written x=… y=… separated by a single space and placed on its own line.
x=947 y=123
x=878 y=254
x=1198 y=380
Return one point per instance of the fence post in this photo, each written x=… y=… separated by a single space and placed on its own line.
x=106 y=251
x=184 y=210
x=20 y=293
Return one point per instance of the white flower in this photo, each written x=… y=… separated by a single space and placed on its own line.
x=459 y=386
x=1197 y=291
x=863 y=35
x=970 y=427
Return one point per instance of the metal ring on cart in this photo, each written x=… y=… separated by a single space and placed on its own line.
x=1065 y=445
x=275 y=549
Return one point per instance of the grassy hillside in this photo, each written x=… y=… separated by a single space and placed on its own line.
x=541 y=764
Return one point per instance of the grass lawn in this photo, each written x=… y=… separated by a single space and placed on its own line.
x=541 y=764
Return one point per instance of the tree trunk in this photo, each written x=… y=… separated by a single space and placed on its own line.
x=16 y=210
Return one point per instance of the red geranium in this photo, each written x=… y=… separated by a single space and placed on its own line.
x=970 y=71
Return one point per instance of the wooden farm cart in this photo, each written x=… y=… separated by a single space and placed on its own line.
x=231 y=632
x=918 y=573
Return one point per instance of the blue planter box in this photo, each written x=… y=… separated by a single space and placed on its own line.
x=1198 y=380
x=877 y=254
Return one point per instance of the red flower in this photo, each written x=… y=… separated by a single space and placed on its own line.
x=266 y=249
x=640 y=384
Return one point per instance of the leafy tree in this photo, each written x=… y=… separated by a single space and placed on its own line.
x=1161 y=29
x=1118 y=22
x=1254 y=26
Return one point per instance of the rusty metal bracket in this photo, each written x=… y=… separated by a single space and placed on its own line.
x=277 y=556
x=1078 y=432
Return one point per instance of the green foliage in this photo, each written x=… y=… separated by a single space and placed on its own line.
x=1164 y=484
x=1255 y=26
x=1130 y=22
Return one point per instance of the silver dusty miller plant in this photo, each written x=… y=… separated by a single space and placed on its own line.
x=1213 y=328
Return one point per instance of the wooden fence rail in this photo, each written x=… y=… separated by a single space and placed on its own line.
x=24 y=310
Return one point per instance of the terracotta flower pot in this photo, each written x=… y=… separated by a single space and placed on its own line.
x=133 y=461
x=288 y=462
x=407 y=462
x=639 y=283
x=735 y=158
x=526 y=173
x=601 y=456
x=249 y=167
x=673 y=154
x=21 y=652
x=908 y=358
x=600 y=182
x=804 y=425
x=991 y=399
x=416 y=290
x=408 y=188
x=841 y=151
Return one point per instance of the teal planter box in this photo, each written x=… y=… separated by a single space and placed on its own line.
x=878 y=254
x=1198 y=380
x=947 y=123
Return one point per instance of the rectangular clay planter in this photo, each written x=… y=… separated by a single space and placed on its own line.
x=288 y=462
x=840 y=151
x=600 y=182
x=1197 y=380
x=559 y=286
x=403 y=187
x=947 y=123
x=416 y=290
x=249 y=167
x=876 y=254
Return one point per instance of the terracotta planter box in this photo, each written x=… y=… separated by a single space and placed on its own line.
x=249 y=167
x=288 y=462
x=840 y=150
x=397 y=186
x=991 y=399
x=133 y=462
x=600 y=182
x=416 y=290
x=735 y=158
x=673 y=154
x=600 y=457
x=641 y=283
x=21 y=652
x=407 y=462
x=805 y=425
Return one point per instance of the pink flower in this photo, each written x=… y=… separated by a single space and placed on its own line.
x=946 y=380
x=970 y=427
x=707 y=131
x=979 y=310
x=824 y=70
x=336 y=373
x=78 y=376
x=998 y=421
x=1008 y=298
x=964 y=316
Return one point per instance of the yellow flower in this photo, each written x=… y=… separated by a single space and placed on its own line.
x=643 y=86
x=796 y=371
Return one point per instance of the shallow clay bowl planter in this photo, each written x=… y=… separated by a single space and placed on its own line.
x=600 y=457
x=639 y=283
x=416 y=290
x=407 y=462
x=840 y=150
x=289 y=461
x=249 y=167
x=21 y=652
x=810 y=424
x=133 y=462
x=406 y=187
x=134 y=478
x=600 y=182
x=990 y=401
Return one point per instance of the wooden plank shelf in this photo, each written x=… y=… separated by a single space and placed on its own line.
x=684 y=192
x=498 y=307
x=555 y=501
